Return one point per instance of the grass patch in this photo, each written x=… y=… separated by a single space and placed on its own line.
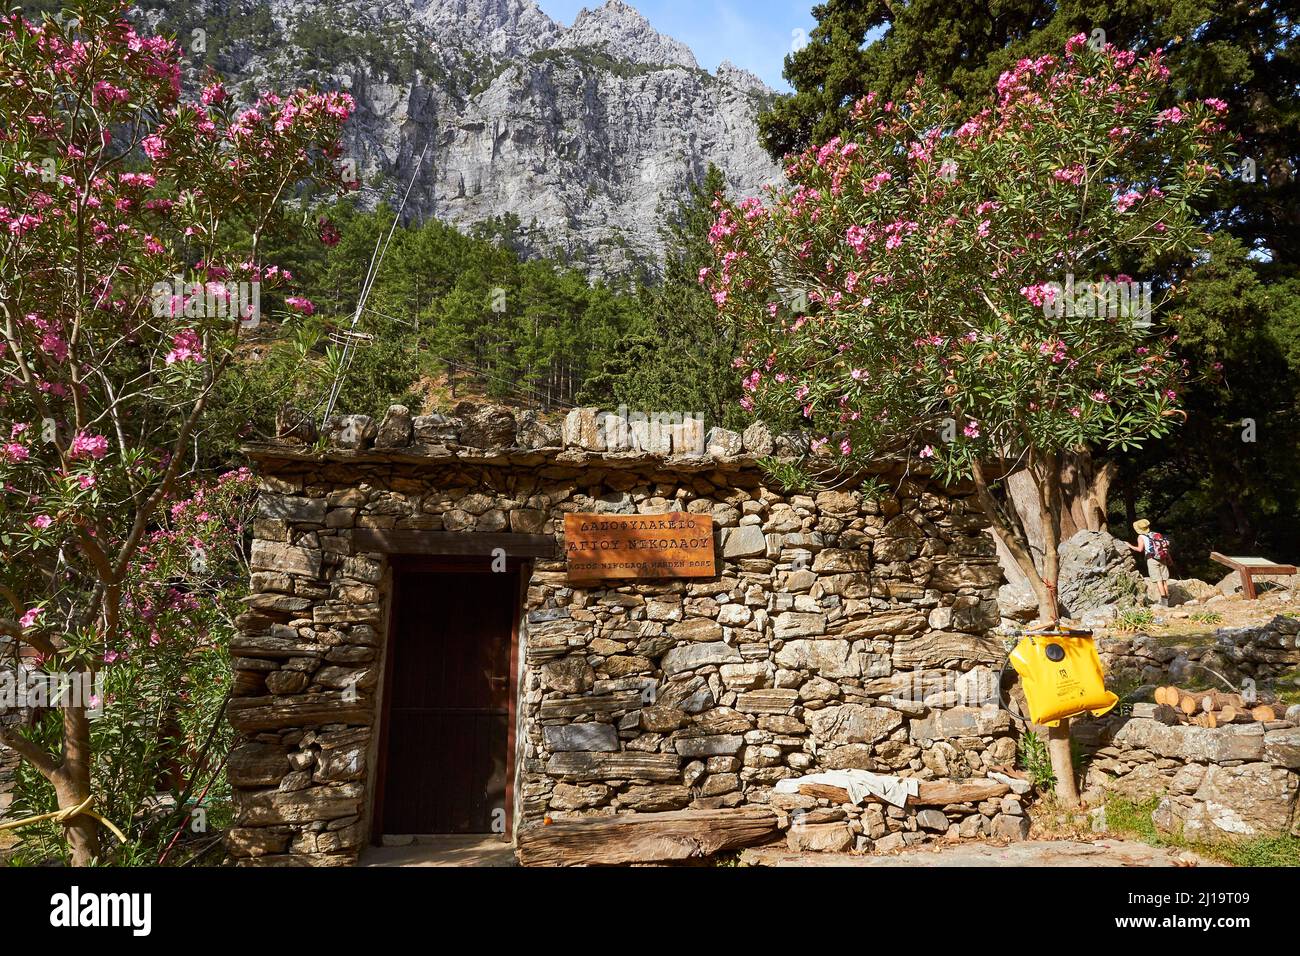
x=1134 y=619
x=1127 y=818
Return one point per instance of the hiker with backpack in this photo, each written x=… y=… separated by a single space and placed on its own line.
x=1156 y=548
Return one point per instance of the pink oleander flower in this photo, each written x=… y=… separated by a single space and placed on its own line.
x=14 y=452
x=1038 y=294
x=30 y=617
x=55 y=346
x=1125 y=201
x=92 y=446
x=329 y=233
x=186 y=347
x=972 y=429
x=42 y=521
x=856 y=237
x=927 y=452
x=107 y=94
x=213 y=93
x=154 y=147
x=1070 y=174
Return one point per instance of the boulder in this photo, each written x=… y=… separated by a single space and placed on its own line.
x=486 y=426
x=352 y=431
x=1097 y=570
x=585 y=737
x=436 y=429
x=1244 y=801
x=820 y=838
x=747 y=541
x=533 y=432
x=1282 y=747
x=1016 y=601
x=757 y=440
x=853 y=724
x=1184 y=591
x=691 y=656
x=396 y=429
x=723 y=443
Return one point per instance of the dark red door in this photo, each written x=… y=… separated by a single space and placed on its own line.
x=448 y=707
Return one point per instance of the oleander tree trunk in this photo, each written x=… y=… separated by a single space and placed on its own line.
x=1044 y=470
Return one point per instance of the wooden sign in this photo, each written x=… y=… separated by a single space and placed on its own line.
x=670 y=545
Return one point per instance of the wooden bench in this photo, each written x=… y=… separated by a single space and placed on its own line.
x=1251 y=568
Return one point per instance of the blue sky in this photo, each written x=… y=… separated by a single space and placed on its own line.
x=754 y=34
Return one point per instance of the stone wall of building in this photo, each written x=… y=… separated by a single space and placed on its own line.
x=842 y=632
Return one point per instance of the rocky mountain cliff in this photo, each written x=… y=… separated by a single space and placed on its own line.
x=582 y=132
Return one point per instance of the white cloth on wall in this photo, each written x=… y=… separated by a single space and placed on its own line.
x=859 y=783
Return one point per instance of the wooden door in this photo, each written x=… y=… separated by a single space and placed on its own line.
x=448 y=713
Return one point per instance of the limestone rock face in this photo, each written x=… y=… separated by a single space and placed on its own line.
x=1097 y=573
x=1096 y=570
x=582 y=130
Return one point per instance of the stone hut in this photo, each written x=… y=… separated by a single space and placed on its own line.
x=416 y=657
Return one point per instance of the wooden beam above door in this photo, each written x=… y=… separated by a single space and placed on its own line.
x=458 y=543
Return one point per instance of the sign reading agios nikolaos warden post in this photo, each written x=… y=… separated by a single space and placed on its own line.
x=670 y=545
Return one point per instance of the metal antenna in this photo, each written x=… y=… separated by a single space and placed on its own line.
x=351 y=337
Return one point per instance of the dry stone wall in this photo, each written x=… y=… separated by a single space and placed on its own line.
x=1231 y=782
x=840 y=632
x=1266 y=654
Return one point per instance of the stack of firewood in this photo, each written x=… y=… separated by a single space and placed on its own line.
x=1210 y=708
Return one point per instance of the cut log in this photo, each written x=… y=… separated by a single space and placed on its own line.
x=1263 y=712
x=1167 y=695
x=1228 y=714
x=1168 y=715
x=932 y=793
x=1188 y=704
x=1217 y=700
x=645 y=837
x=937 y=793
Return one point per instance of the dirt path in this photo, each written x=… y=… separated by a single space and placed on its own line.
x=1029 y=853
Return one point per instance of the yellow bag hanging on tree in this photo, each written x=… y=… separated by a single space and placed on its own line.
x=1061 y=676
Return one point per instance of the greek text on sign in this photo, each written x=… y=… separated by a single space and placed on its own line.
x=670 y=545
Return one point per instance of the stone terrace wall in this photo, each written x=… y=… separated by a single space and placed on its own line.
x=1228 y=782
x=1268 y=654
x=840 y=633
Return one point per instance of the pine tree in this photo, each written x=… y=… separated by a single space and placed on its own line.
x=679 y=357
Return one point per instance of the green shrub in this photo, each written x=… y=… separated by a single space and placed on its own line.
x=1033 y=758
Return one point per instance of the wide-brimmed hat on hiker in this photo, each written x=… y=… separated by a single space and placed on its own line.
x=1142 y=526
